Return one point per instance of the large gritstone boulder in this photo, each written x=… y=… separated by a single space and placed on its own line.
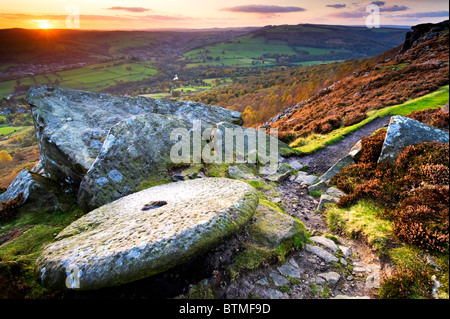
x=146 y=233
x=402 y=132
x=135 y=150
x=71 y=125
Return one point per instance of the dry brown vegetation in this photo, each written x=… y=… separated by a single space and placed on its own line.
x=400 y=78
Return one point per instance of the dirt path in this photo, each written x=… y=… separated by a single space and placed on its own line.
x=320 y=161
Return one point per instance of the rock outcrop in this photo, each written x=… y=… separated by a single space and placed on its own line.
x=134 y=150
x=423 y=32
x=71 y=125
x=271 y=228
x=249 y=145
x=402 y=132
x=145 y=233
x=35 y=189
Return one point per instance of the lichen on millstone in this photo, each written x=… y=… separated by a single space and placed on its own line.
x=145 y=233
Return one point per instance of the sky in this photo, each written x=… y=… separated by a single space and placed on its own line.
x=197 y=14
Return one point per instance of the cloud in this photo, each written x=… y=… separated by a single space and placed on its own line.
x=263 y=9
x=130 y=9
x=394 y=8
x=336 y=6
x=52 y=17
x=349 y=15
x=379 y=3
x=433 y=14
x=166 y=18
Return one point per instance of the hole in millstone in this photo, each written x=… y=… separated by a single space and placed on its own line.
x=153 y=205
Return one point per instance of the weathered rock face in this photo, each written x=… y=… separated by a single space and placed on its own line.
x=135 y=150
x=402 y=132
x=337 y=167
x=145 y=233
x=35 y=189
x=72 y=125
x=271 y=228
x=243 y=144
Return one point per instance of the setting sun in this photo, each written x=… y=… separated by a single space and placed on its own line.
x=44 y=24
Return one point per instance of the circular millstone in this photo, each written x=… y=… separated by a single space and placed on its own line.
x=145 y=233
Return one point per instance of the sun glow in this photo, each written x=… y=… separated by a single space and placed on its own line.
x=44 y=24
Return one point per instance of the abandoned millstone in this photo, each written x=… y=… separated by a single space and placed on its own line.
x=135 y=150
x=402 y=132
x=71 y=125
x=145 y=233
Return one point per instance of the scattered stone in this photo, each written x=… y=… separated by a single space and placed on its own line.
x=271 y=228
x=343 y=261
x=336 y=168
x=146 y=233
x=360 y=269
x=279 y=280
x=403 y=131
x=322 y=253
x=325 y=199
x=333 y=191
x=179 y=177
x=373 y=281
x=320 y=186
x=274 y=294
x=262 y=282
x=320 y=281
x=346 y=251
x=356 y=151
x=436 y=285
x=297 y=165
x=306 y=179
x=241 y=172
x=287 y=269
x=325 y=242
x=331 y=277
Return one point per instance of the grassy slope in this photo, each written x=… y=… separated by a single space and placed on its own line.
x=315 y=142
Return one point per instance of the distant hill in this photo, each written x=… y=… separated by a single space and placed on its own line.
x=303 y=100
x=417 y=67
x=302 y=44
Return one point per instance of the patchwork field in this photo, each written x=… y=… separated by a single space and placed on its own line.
x=93 y=77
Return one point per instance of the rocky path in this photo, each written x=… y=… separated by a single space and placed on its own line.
x=337 y=268
x=323 y=159
x=326 y=269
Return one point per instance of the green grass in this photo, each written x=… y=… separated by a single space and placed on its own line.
x=362 y=219
x=248 y=51
x=5 y=129
x=93 y=77
x=314 y=142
